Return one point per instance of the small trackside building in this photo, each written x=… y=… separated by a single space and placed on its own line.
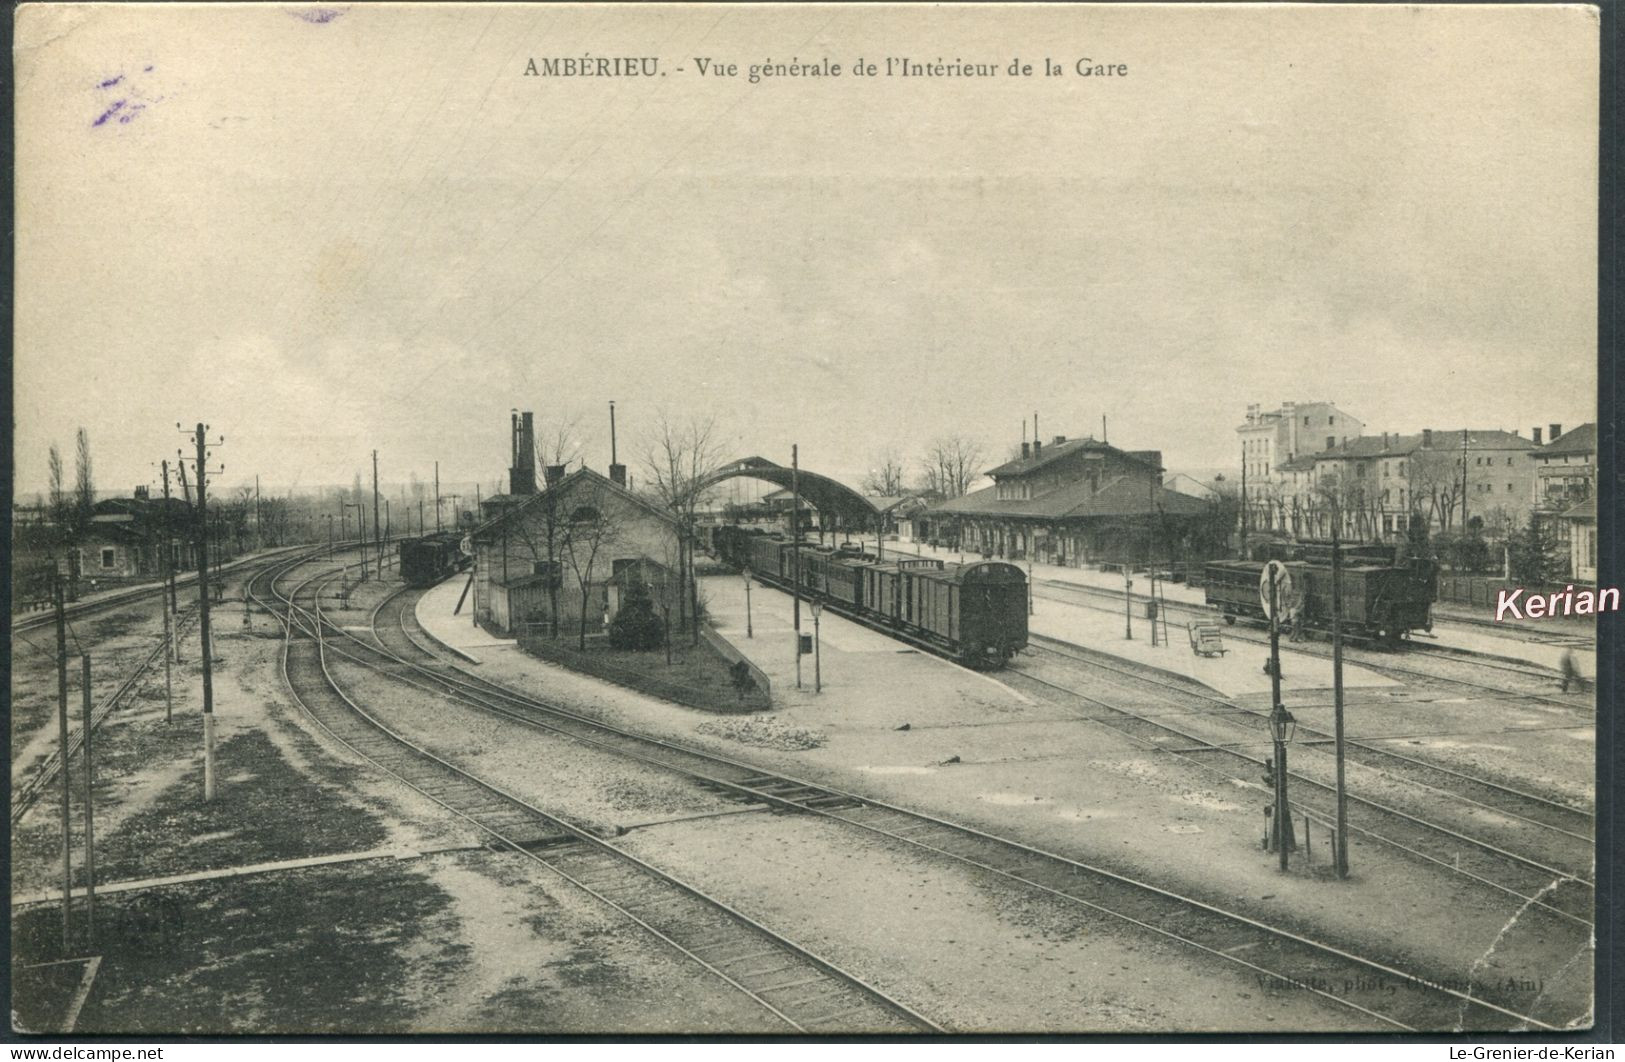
x=567 y=552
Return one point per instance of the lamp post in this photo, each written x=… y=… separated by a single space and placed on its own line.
x=749 y=632
x=1282 y=724
x=818 y=671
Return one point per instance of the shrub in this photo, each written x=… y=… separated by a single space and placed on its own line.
x=636 y=626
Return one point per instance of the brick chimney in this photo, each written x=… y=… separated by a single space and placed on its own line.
x=1555 y=431
x=553 y=473
x=522 y=473
x=1037 y=448
x=1536 y=435
x=1427 y=438
x=1059 y=439
x=1026 y=450
x=141 y=493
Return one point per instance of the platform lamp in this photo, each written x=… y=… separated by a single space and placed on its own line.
x=749 y=632
x=818 y=675
x=1283 y=725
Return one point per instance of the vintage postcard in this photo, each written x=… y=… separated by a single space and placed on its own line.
x=809 y=520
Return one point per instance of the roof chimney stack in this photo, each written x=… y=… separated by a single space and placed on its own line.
x=522 y=473
x=553 y=473
x=1535 y=435
x=1427 y=438
x=1556 y=430
x=1026 y=449
x=1037 y=449
x=1059 y=439
x=617 y=471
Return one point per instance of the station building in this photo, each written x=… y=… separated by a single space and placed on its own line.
x=570 y=548
x=1070 y=502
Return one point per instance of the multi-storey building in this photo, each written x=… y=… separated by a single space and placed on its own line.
x=1565 y=493
x=1272 y=439
x=1377 y=481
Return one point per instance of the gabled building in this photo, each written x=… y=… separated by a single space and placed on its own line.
x=569 y=549
x=1377 y=481
x=1565 y=468
x=1270 y=439
x=1073 y=502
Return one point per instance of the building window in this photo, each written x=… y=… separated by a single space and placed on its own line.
x=585 y=514
x=1330 y=421
x=1509 y=462
x=108 y=558
x=1331 y=442
x=1509 y=488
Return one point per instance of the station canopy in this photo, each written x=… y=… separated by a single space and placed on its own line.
x=827 y=495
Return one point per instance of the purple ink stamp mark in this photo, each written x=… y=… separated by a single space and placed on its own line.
x=110 y=82
x=319 y=16
x=118 y=105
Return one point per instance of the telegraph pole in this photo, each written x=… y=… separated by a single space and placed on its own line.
x=203 y=611
x=795 y=549
x=169 y=536
x=437 y=497
x=259 y=538
x=1340 y=857
x=1464 y=479
x=62 y=754
x=377 y=535
x=90 y=806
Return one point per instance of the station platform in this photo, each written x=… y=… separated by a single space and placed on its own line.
x=1542 y=646
x=436 y=614
x=1239 y=671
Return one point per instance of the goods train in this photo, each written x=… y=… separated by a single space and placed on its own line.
x=427 y=560
x=1387 y=590
x=973 y=613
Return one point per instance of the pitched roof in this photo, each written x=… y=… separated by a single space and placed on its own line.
x=1582 y=440
x=1121 y=496
x=1404 y=445
x=1051 y=452
x=579 y=475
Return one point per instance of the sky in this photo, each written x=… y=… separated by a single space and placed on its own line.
x=329 y=230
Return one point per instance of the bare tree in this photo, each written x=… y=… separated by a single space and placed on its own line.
x=681 y=455
x=590 y=527
x=557 y=440
x=84 y=489
x=58 y=495
x=951 y=465
x=885 y=476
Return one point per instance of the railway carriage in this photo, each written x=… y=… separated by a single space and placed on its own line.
x=975 y=613
x=427 y=560
x=1381 y=597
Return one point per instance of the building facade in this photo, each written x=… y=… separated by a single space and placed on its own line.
x=1070 y=502
x=1270 y=439
x=1376 y=482
x=566 y=552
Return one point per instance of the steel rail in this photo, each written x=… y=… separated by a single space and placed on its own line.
x=1067 y=650
x=838 y=977
x=820 y=799
x=1558 y=877
x=1499 y=692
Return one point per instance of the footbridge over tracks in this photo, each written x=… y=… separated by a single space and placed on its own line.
x=839 y=507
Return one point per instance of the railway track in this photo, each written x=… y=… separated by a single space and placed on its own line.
x=1483 y=793
x=797 y=988
x=1277 y=954
x=1563 y=891
x=25 y=796
x=1371 y=660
